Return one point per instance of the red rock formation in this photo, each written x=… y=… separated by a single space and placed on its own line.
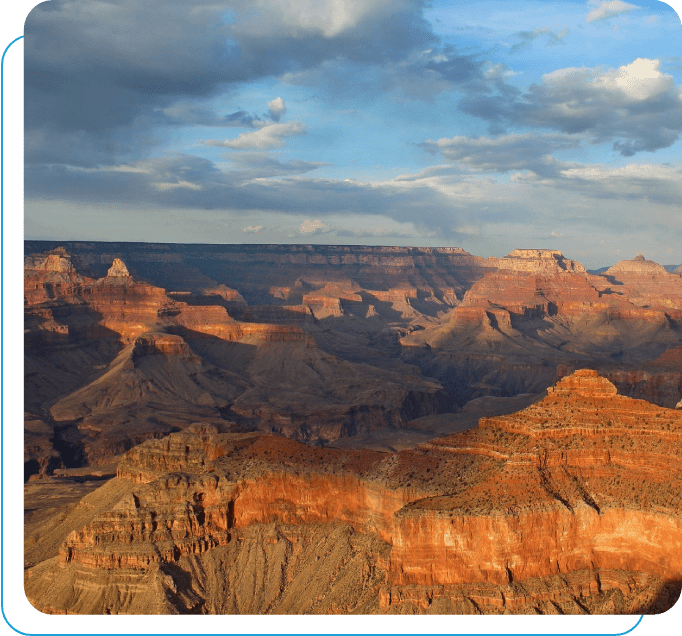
x=590 y=476
x=648 y=284
x=539 y=262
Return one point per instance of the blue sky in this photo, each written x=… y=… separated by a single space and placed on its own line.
x=486 y=125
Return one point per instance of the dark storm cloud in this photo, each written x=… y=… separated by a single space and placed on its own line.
x=94 y=67
x=635 y=107
x=100 y=74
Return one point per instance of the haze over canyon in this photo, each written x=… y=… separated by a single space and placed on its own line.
x=349 y=429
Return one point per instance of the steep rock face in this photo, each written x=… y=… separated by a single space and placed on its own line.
x=47 y=276
x=536 y=283
x=85 y=308
x=637 y=265
x=40 y=455
x=456 y=513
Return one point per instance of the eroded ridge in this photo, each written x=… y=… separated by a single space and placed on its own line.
x=552 y=509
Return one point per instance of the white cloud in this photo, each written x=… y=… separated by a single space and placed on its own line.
x=605 y=9
x=635 y=107
x=314 y=227
x=251 y=229
x=266 y=137
x=276 y=108
x=638 y=81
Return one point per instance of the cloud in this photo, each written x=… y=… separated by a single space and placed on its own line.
x=527 y=37
x=605 y=9
x=196 y=114
x=443 y=202
x=420 y=75
x=638 y=81
x=506 y=153
x=635 y=107
x=176 y=184
x=244 y=189
x=246 y=165
x=276 y=108
x=105 y=73
x=267 y=137
x=251 y=229
x=314 y=227
x=635 y=181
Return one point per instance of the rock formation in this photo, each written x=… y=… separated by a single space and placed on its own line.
x=537 y=311
x=413 y=319
x=113 y=361
x=443 y=527
x=118 y=269
x=295 y=412
x=648 y=284
x=535 y=261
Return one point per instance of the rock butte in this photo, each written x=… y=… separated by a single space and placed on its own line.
x=528 y=512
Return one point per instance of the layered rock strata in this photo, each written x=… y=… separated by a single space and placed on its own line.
x=424 y=330
x=538 y=510
x=648 y=284
x=113 y=361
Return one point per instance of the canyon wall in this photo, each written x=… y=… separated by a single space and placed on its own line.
x=551 y=491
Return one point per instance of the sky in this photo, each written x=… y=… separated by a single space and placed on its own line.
x=488 y=125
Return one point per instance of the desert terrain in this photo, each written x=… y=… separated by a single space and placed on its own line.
x=349 y=429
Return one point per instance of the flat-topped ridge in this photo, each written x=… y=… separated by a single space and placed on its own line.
x=535 y=253
x=537 y=261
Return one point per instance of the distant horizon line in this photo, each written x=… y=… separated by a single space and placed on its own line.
x=327 y=245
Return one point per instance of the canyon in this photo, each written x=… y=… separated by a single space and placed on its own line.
x=444 y=526
x=349 y=429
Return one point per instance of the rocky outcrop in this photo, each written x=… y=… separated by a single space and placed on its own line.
x=536 y=261
x=590 y=475
x=118 y=270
